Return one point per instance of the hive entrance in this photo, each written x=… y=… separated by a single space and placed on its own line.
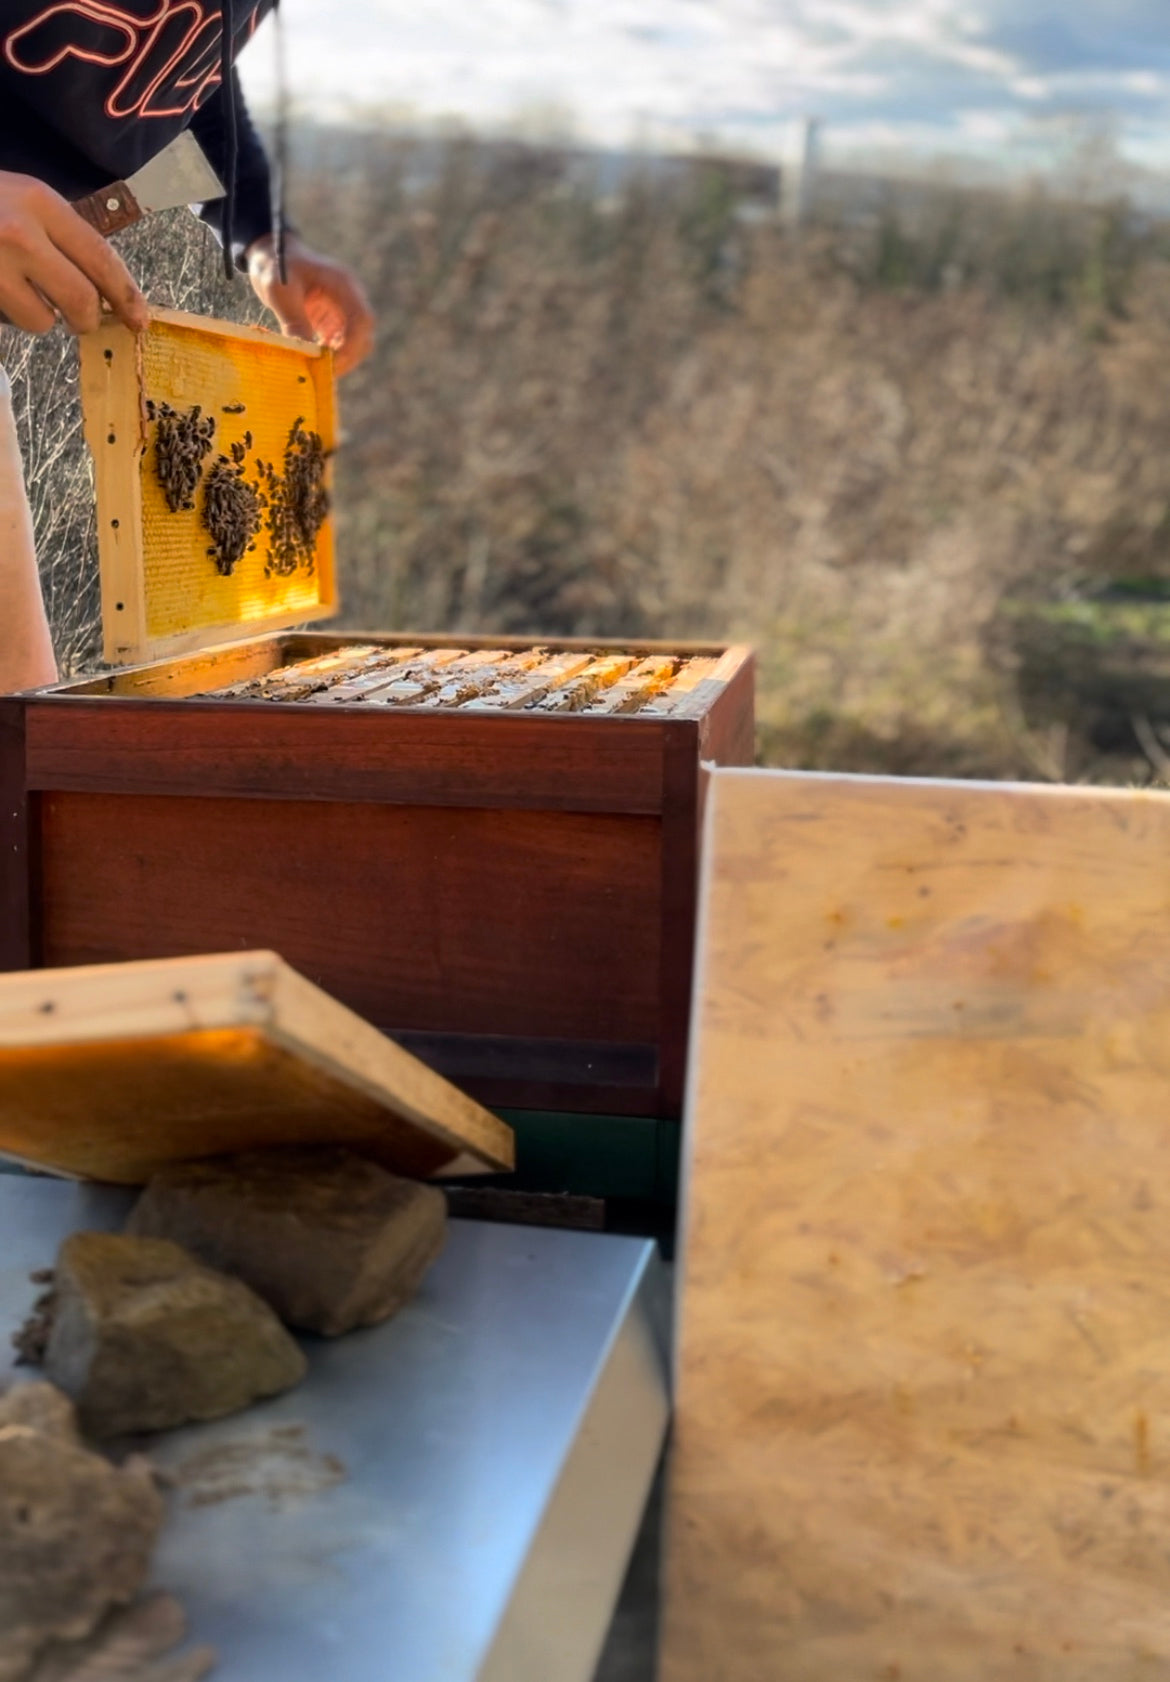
x=536 y=679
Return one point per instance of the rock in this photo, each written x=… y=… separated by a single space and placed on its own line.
x=330 y=1240
x=144 y=1337
x=134 y=1644
x=76 y=1533
x=43 y=1408
x=29 y=1342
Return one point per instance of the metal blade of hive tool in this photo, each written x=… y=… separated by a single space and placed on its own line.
x=179 y=174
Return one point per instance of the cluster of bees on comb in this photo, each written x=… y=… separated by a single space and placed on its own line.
x=290 y=498
x=233 y=510
x=182 y=444
x=297 y=502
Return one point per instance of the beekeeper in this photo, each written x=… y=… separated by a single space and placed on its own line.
x=89 y=92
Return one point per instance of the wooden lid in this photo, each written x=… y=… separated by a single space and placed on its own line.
x=238 y=421
x=112 y=1071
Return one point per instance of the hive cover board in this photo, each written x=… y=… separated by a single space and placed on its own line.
x=923 y=1404
x=212 y=446
x=110 y=1071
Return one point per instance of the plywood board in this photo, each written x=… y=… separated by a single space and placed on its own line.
x=923 y=1405
x=109 y=1071
x=162 y=591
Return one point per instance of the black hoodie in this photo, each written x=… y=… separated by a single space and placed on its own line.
x=90 y=89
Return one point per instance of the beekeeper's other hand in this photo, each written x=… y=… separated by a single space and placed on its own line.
x=321 y=300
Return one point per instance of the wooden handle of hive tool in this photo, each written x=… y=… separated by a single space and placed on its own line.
x=111 y=210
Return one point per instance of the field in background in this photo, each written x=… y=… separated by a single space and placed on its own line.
x=644 y=412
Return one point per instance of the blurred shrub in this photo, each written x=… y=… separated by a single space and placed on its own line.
x=1028 y=247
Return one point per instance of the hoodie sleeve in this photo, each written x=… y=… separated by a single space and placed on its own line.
x=253 y=213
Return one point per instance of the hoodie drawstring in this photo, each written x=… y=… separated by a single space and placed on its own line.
x=281 y=142
x=227 y=94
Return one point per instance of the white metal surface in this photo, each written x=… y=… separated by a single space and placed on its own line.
x=451 y=1496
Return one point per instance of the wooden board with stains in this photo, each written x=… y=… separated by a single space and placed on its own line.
x=923 y=1397
x=110 y=1071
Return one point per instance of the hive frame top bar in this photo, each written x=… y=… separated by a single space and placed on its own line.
x=199 y=679
x=162 y=593
x=238 y=330
x=534 y=679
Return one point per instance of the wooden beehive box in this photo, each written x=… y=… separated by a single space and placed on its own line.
x=488 y=849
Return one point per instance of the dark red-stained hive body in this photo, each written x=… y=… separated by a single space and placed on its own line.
x=488 y=849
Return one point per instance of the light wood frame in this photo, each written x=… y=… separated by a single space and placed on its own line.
x=114 y=405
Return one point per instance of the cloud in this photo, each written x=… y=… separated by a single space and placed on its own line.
x=941 y=72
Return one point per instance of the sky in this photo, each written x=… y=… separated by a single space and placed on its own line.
x=983 y=78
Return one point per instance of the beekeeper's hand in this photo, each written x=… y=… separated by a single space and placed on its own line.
x=321 y=300
x=54 y=265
